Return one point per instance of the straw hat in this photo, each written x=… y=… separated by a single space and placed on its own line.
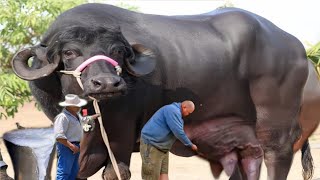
x=73 y=100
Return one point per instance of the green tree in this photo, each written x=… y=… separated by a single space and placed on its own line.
x=13 y=93
x=313 y=53
x=128 y=6
x=22 y=22
x=120 y=3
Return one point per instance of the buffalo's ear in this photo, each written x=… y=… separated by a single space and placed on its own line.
x=142 y=60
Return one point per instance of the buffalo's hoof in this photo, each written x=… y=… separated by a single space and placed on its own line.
x=110 y=174
x=4 y=175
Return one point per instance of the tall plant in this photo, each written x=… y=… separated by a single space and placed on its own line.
x=13 y=93
x=22 y=22
x=313 y=53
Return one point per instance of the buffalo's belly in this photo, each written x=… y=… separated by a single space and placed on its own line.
x=222 y=99
x=217 y=137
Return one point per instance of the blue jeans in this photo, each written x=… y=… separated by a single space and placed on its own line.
x=67 y=164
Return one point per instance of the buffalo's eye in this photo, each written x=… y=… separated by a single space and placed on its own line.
x=69 y=54
x=118 y=51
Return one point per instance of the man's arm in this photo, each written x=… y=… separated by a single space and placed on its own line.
x=175 y=123
x=75 y=149
x=60 y=127
x=88 y=122
x=89 y=118
x=95 y=116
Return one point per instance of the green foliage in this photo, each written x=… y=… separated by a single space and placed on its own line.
x=119 y=3
x=22 y=22
x=313 y=53
x=127 y=6
x=14 y=92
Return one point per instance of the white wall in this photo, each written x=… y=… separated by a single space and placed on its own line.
x=298 y=17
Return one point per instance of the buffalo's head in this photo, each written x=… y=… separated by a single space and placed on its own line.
x=71 y=47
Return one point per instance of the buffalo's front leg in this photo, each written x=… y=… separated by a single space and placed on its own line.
x=110 y=174
x=93 y=153
x=121 y=134
x=277 y=101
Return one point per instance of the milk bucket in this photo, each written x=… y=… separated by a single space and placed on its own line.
x=32 y=151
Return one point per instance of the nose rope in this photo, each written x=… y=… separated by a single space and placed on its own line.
x=106 y=140
x=77 y=74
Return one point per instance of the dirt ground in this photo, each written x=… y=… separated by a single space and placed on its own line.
x=192 y=168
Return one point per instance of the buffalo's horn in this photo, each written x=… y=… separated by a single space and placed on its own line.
x=20 y=65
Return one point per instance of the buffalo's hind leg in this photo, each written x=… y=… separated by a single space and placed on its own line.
x=277 y=101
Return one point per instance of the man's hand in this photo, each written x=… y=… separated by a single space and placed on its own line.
x=75 y=149
x=95 y=116
x=194 y=147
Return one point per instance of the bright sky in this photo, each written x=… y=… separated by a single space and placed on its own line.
x=297 y=17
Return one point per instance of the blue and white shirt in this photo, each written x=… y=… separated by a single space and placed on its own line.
x=67 y=126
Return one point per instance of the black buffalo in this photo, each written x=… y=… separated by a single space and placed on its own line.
x=245 y=75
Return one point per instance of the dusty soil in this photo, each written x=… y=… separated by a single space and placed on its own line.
x=192 y=168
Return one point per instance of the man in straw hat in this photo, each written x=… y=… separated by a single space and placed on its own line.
x=68 y=133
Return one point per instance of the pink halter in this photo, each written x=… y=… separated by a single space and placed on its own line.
x=77 y=73
x=96 y=58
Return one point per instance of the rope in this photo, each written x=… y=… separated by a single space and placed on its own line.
x=106 y=141
x=104 y=135
x=76 y=74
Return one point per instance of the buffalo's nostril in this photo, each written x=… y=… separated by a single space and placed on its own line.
x=116 y=84
x=96 y=82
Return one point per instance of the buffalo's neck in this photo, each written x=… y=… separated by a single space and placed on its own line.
x=47 y=92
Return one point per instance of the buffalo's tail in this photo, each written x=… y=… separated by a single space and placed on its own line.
x=307 y=161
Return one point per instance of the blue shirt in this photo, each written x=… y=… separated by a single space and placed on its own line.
x=164 y=127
